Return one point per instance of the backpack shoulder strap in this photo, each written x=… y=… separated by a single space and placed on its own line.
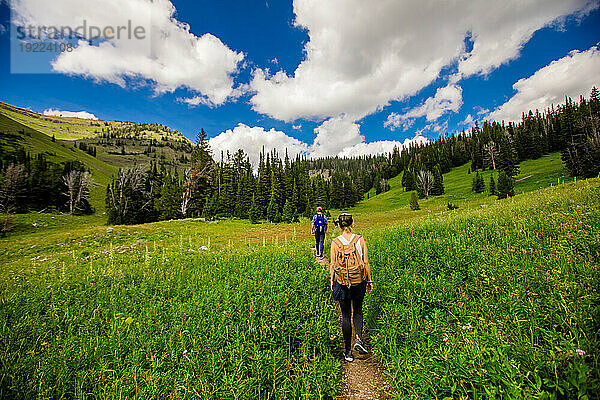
x=355 y=239
x=338 y=242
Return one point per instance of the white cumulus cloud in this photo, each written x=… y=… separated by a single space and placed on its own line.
x=252 y=140
x=170 y=56
x=572 y=75
x=76 y=114
x=362 y=55
x=334 y=135
x=468 y=121
x=338 y=136
x=380 y=147
x=446 y=99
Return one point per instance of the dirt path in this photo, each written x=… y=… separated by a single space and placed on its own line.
x=363 y=378
x=522 y=179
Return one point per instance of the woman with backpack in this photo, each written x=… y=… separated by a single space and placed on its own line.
x=350 y=279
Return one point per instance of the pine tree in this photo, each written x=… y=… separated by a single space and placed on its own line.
x=255 y=212
x=408 y=180
x=492 y=185
x=438 y=181
x=414 y=204
x=478 y=185
x=263 y=189
x=202 y=176
x=595 y=102
x=507 y=157
x=288 y=213
x=227 y=199
x=168 y=205
x=272 y=208
x=211 y=205
x=505 y=186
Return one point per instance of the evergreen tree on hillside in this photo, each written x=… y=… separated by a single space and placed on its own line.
x=211 y=206
x=202 y=176
x=263 y=189
x=272 y=208
x=414 y=204
x=408 y=180
x=255 y=212
x=438 y=181
x=227 y=199
x=595 y=102
x=478 y=186
x=581 y=135
x=168 y=204
x=505 y=186
x=277 y=195
x=320 y=192
x=288 y=213
x=507 y=158
x=492 y=185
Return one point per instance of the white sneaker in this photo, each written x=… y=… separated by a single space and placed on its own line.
x=348 y=356
x=359 y=346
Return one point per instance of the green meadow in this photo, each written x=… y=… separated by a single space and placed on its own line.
x=497 y=299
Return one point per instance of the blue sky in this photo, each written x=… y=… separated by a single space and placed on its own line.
x=323 y=78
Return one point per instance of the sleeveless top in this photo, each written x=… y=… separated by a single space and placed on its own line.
x=357 y=244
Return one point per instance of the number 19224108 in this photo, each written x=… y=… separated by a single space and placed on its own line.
x=45 y=47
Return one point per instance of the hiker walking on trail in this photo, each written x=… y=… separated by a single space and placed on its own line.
x=319 y=229
x=350 y=279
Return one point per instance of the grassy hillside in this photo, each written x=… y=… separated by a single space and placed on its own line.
x=120 y=144
x=493 y=302
x=70 y=128
x=392 y=207
x=14 y=134
x=117 y=144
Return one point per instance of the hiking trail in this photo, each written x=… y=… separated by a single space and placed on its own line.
x=363 y=378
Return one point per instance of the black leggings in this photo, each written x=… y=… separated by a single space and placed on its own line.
x=354 y=307
x=319 y=239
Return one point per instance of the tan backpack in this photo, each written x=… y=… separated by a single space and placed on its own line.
x=348 y=265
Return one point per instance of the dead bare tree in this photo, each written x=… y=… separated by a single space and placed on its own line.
x=77 y=189
x=187 y=193
x=490 y=151
x=12 y=187
x=70 y=181
x=128 y=182
x=425 y=182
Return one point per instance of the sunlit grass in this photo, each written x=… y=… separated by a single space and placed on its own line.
x=191 y=308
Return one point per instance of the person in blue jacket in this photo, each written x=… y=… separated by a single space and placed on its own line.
x=319 y=229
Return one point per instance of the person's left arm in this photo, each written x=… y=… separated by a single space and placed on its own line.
x=363 y=245
x=332 y=260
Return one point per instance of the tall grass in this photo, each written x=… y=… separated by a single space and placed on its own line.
x=500 y=302
x=170 y=325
